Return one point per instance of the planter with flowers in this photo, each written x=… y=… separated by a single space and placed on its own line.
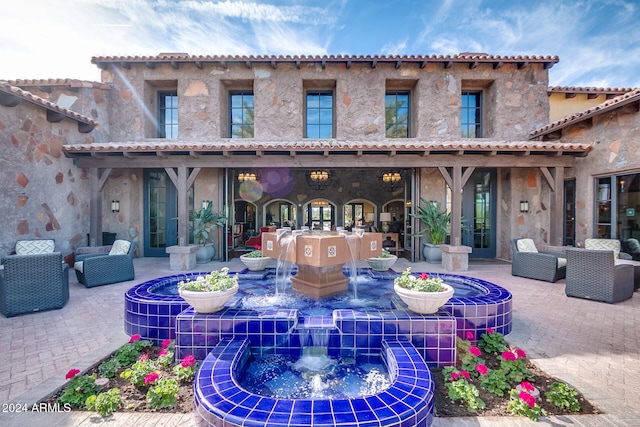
x=254 y=260
x=382 y=262
x=423 y=294
x=210 y=293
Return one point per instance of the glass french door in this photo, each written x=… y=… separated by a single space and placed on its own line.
x=479 y=214
x=320 y=217
x=160 y=213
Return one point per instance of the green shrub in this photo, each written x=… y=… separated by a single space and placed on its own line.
x=495 y=382
x=492 y=342
x=105 y=403
x=163 y=395
x=78 y=389
x=563 y=396
x=139 y=371
x=109 y=368
x=523 y=403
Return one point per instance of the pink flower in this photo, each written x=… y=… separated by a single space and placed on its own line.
x=188 y=361
x=521 y=354
x=162 y=352
x=526 y=385
x=469 y=335
x=256 y=247
x=143 y=357
x=527 y=398
x=454 y=376
x=475 y=351
x=72 y=373
x=482 y=369
x=151 y=378
x=135 y=338
x=507 y=355
x=490 y=330
x=424 y=276
x=465 y=374
x=166 y=343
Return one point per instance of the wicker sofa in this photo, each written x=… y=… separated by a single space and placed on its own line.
x=593 y=274
x=533 y=264
x=97 y=269
x=30 y=283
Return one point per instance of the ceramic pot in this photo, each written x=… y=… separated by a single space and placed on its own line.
x=432 y=253
x=382 y=264
x=208 y=302
x=255 y=264
x=424 y=302
x=205 y=253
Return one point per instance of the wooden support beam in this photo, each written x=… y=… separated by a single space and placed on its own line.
x=298 y=64
x=194 y=154
x=398 y=64
x=473 y=64
x=359 y=153
x=248 y=64
x=274 y=64
x=8 y=99
x=125 y=65
x=175 y=65
x=498 y=65
x=374 y=63
x=447 y=64
x=348 y=64
x=198 y=65
x=150 y=65
x=423 y=64
x=548 y=177
x=103 y=178
x=523 y=65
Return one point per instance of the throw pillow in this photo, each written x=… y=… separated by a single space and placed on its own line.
x=526 y=245
x=120 y=247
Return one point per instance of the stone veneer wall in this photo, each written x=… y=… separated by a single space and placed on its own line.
x=43 y=194
x=616 y=150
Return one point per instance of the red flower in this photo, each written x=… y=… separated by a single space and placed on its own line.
x=162 y=352
x=143 y=357
x=465 y=374
x=521 y=354
x=188 y=361
x=454 y=376
x=135 y=338
x=527 y=398
x=482 y=369
x=257 y=247
x=166 y=343
x=507 y=355
x=469 y=335
x=475 y=351
x=72 y=373
x=490 y=330
x=424 y=276
x=527 y=386
x=151 y=378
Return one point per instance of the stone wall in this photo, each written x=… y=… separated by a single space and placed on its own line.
x=43 y=194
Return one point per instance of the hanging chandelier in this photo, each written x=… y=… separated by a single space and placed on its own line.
x=391 y=180
x=247 y=176
x=318 y=179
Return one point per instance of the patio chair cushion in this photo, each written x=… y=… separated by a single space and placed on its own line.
x=78 y=265
x=603 y=245
x=35 y=247
x=120 y=247
x=526 y=245
x=562 y=262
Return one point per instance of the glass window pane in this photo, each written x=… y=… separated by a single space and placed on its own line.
x=313 y=117
x=326 y=101
x=326 y=117
x=313 y=101
x=326 y=131
x=312 y=132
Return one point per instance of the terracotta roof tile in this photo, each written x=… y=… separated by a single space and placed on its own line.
x=24 y=95
x=327 y=145
x=593 y=90
x=609 y=105
x=462 y=57
x=73 y=83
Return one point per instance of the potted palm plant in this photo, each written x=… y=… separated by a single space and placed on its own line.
x=436 y=225
x=423 y=294
x=203 y=221
x=209 y=293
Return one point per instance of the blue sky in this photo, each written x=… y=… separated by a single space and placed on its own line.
x=598 y=41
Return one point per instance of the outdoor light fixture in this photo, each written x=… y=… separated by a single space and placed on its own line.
x=115 y=206
x=524 y=206
x=390 y=180
x=319 y=203
x=247 y=176
x=385 y=217
x=318 y=179
x=205 y=204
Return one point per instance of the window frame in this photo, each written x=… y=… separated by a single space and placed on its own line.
x=395 y=93
x=230 y=123
x=319 y=109
x=161 y=130
x=478 y=116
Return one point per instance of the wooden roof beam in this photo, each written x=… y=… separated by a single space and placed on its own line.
x=523 y=65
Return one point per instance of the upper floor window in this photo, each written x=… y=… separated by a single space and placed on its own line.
x=168 y=114
x=319 y=114
x=396 y=108
x=241 y=114
x=471 y=114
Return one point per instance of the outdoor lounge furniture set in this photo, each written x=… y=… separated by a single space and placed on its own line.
x=34 y=279
x=599 y=271
x=103 y=268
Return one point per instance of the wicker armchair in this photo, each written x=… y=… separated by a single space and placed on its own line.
x=104 y=269
x=30 y=283
x=547 y=266
x=593 y=274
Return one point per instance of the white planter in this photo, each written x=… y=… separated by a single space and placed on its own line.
x=208 y=302
x=255 y=264
x=424 y=302
x=382 y=264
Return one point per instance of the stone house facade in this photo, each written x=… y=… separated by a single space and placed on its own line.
x=161 y=134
